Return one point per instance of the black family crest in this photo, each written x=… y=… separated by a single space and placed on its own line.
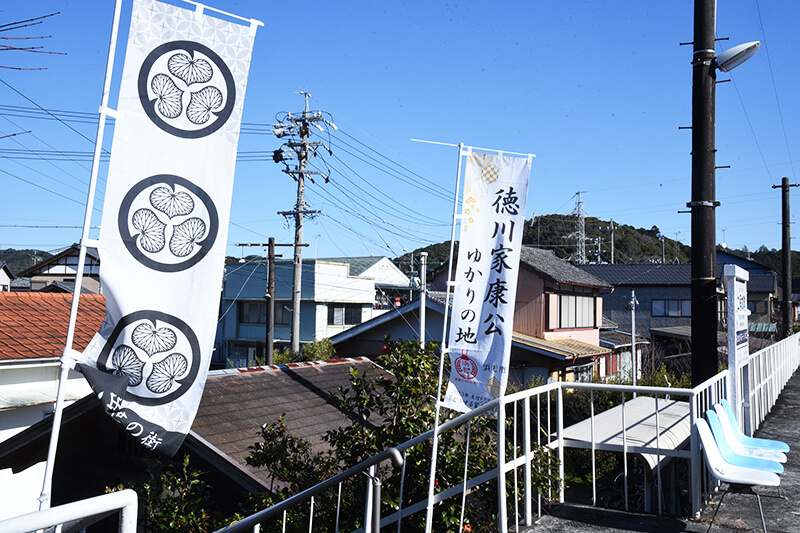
x=168 y=223
x=186 y=89
x=157 y=353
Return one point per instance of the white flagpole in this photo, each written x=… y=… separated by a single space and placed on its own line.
x=67 y=361
x=444 y=352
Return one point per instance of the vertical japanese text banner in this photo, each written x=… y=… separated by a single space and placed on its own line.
x=165 y=218
x=482 y=317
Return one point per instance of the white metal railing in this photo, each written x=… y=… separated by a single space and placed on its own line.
x=85 y=511
x=762 y=378
x=537 y=420
x=529 y=422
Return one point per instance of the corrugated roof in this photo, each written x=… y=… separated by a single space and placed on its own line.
x=237 y=402
x=546 y=264
x=34 y=325
x=617 y=339
x=564 y=347
x=642 y=274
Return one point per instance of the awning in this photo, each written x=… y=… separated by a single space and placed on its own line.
x=653 y=438
x=561 y=348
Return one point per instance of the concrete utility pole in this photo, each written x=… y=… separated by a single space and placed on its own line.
x=299 y=128
x=704 y=258
x=612 y=227
x=270 y=296
x=703 y=204
x=634 y=358
x=786 y=259
x=270 y=293
x=423 y=296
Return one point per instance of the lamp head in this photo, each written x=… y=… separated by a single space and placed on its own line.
x=732 y=58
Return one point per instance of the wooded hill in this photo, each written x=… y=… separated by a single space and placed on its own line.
x=559 y=233
x=19 y=260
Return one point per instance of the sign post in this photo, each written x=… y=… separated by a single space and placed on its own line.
x=736 y=279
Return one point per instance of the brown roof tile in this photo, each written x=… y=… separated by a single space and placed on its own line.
x=34 y=325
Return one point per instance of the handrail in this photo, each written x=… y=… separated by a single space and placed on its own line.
x=392 y=453
x=124 y=500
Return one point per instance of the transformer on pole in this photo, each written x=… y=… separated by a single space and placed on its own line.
x=299 y=147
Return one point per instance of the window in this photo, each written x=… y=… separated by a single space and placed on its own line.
x=575 y=311
x=674 y=308
x=344 y=314
x=256 y=313
x=253 y=312
x=283 y=313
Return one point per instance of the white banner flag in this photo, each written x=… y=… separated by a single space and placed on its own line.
x=482 y=317
x=165 y=218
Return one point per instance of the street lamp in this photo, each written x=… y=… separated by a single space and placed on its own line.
x=704 y=264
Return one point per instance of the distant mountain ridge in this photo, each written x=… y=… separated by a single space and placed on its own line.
x=19 y=260
x=558 y=233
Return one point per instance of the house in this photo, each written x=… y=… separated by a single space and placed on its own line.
x=762 y=289
x=331 y=300
x=94 y=452
x=557 y=321
x=61 y=269
x=663 y=301
x=619 y=363
x=33 y=331
x=663 y=294
x=6 y=275
x=392 y=287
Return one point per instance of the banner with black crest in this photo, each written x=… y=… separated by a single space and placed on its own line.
x=165 y=217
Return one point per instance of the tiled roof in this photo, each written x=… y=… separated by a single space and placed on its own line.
x=34 y=325
x=642 y=274
x=9 y=272
x=91 y=253
x=237 y=402
x=763 y=283
x=546 y=264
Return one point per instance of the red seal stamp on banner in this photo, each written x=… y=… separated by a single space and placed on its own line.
x=465 y=367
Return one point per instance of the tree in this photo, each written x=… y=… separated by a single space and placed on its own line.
x=387 y=411
x=174 y=498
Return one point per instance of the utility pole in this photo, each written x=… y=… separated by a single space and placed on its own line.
x=786 y=258
x=423 y=275
x=612 y=227
x=269 y=296
x=298 y=127
x=634 y=358
x=703 y=204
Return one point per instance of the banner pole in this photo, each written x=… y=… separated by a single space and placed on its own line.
x=66 y=360
x=443 y=351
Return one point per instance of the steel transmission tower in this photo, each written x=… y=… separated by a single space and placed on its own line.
x=295 y=154
x=579 y=235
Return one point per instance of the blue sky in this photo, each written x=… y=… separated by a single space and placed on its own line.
x=597 y=90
